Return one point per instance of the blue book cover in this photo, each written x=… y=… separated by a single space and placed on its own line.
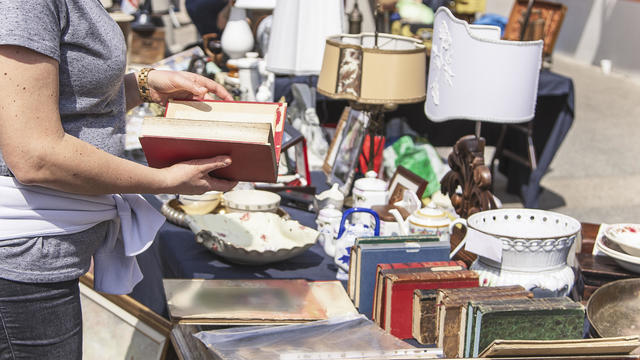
x=370 y=255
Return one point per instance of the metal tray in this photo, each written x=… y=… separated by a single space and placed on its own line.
x=614 y=309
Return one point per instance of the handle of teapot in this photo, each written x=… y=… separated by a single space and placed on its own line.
x=347 y=213
x=462 y=222
x=401 y=223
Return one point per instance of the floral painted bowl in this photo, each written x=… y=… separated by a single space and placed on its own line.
x=251 y=238
x=627 y=236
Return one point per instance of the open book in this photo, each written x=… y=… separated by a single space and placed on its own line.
x=249 y=132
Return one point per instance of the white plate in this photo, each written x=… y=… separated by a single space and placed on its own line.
x=253 y=238
x=627 y=236
x=626 y=261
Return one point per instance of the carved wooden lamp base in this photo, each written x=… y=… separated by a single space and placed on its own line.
x=468 y=172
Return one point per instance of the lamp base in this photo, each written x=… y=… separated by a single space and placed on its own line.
x=468 y=172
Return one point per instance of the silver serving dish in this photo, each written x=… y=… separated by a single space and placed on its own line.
x=614 y=309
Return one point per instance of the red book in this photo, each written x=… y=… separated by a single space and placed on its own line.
x=378 y=311
x=399 y=288
x=249 y=132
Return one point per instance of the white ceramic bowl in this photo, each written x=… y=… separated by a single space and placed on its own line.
x=251 y=238
x=200 y=204
x=627 y=236
x=251 y=200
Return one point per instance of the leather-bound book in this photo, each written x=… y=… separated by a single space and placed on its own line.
x=451 y=316
x=522 y=319
x=423 y=322
x=398 y=294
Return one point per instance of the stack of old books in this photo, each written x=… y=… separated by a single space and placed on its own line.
x=369 y=252
x=395 y=285
x=440 y=316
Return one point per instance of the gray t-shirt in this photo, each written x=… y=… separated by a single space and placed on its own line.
x=91 y=52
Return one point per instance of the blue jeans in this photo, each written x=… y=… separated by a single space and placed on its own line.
x=40 y=320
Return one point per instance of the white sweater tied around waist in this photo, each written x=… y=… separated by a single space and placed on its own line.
x=32 y=211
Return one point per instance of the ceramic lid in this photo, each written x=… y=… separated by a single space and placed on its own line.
x=430 y=216
x=329 y=213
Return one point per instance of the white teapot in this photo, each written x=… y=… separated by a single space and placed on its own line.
x=429 y=220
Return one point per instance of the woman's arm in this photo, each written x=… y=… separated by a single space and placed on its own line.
x=38 y=151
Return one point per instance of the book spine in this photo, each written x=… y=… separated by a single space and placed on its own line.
x=423 y=326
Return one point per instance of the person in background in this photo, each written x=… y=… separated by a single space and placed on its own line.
x=209 y=16
x=66 y=195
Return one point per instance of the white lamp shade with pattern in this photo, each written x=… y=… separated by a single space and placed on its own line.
x=298 y=34
x=476 y=76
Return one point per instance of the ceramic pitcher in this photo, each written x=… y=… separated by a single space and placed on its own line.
x=347 y=236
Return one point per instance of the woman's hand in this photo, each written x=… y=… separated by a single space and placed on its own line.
x=192 y=177
x=165 y=85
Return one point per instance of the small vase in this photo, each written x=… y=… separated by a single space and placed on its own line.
x=237 y=37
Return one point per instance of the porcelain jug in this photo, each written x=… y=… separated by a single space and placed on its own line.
x=328 y=223
x=429 y=220
x=347 y=235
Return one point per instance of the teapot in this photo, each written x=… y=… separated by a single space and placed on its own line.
x=406 y=205
x=429 y=220
x=347 y=236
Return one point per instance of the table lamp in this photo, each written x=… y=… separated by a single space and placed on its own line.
x=373 y=72
x=476 y=76
x=298 y=32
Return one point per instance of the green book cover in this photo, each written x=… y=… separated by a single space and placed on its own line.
x=471 y=314
x=531 y=319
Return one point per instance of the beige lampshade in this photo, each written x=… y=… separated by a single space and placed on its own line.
x=353 y=68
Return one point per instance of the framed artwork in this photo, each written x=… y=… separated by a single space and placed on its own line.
x=333 y=147
x=404 y=179
x=346 y=149
x=119 y=327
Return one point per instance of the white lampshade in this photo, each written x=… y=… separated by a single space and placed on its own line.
x=256 y=4
x=298 y=34
x=473 y=75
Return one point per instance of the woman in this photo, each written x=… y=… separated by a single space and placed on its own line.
x=63 y=97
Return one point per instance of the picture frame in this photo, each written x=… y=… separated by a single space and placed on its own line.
x=333 y=147
x=343 y=158
x=404 y=179
x=119 y=327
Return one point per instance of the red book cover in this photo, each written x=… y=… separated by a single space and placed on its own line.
x=379 y=289
x=253 y=157
x=399 y=294
x=250 y=162
x=378 y=309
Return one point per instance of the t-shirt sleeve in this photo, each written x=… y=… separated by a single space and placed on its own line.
x=34 y=24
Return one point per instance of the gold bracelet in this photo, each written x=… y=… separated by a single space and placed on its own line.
x=143 y=84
